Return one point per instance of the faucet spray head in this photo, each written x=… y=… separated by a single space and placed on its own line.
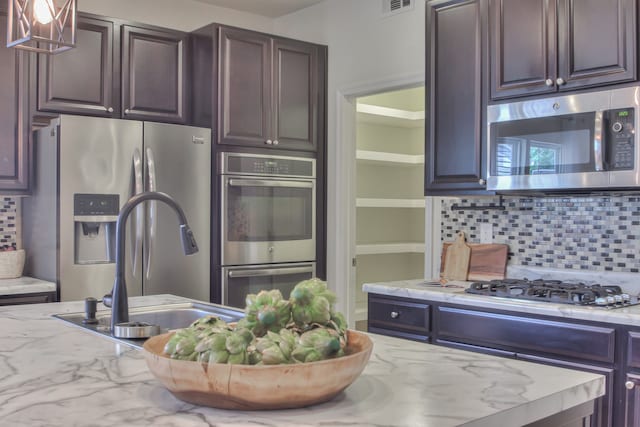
x=189 y=245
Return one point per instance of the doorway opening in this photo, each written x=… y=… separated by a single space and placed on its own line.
x=389 y=192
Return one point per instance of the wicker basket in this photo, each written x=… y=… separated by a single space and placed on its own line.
x=11 y=264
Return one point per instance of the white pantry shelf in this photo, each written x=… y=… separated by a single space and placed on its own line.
x=390 y=116
x=386 y=157
x=389 y=248
x=389 y=203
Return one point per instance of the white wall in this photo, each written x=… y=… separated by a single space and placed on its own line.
x=184 y=15
x=366 y=53
x=363 y=46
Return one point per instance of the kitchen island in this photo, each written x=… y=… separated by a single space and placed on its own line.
x=56 y=374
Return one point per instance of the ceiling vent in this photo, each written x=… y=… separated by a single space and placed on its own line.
x=393 y=7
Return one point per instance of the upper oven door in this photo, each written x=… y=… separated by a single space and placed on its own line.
x=267 y=220
x=548 y=144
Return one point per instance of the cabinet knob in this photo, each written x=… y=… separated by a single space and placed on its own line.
x=268 y=142
x=548 y=82
x=395 y=314
x=630 y=385
x=560 y=81
x=275 y=142
x=110 y=109
x=126 y=111
x=482 y=181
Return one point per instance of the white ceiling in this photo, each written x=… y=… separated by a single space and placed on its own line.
x=270 y=8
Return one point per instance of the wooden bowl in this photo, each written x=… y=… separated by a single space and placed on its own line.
x=248 y=387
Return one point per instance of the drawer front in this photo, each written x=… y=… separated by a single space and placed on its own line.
x=408 y=316
x=633 y=349
x=37 y=298
x=521 y=334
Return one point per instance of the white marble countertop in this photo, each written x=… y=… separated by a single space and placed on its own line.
x=55 y=374
x=420 y=289
x=25 y=285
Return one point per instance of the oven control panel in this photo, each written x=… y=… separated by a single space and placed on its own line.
x=254 y=164
x=619 y=134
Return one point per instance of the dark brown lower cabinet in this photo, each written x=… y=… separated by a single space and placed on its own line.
x=32 y=298
x=607 y=349
x=632 y=400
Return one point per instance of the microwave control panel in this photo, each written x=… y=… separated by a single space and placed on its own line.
x=619 y=134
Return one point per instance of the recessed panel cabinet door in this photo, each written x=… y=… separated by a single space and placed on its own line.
x=596 y=42
x=154 y=70
x=454 y=159
x=244 y=109
x=14 y=135
x=81 y=81
x=295 y=94
x=523 y=53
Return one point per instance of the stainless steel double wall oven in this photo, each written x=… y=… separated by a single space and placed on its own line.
x=268 y=223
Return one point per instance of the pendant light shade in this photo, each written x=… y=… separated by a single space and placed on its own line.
x=44 y=26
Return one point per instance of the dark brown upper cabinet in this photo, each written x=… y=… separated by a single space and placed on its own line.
x=83 y=80
x=544 y=46
x=455 y=40
x=117 y=70
x=154 y=64
x=14 y=117
x=269 y=91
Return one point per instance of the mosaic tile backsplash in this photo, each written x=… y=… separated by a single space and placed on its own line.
x=9 y=222
x=583 y=233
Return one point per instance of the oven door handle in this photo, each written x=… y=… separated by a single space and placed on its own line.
x=233 y=182
x=269 y=272
x=597 y=142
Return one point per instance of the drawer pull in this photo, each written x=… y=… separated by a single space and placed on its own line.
x=630 y=385
x=395 y=314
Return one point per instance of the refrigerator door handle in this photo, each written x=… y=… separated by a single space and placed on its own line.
x=137 y=225
x=152 y=212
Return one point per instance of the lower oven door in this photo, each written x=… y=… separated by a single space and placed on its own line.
x=238 y=282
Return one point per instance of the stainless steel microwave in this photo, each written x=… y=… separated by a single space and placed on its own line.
x=582 y=142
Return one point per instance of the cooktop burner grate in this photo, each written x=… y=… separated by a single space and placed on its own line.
x=555 y=291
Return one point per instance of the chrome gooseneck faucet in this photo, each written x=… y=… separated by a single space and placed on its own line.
x=119 y=299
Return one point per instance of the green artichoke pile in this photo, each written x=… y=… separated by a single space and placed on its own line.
x=304 y=328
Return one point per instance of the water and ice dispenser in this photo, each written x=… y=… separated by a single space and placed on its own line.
x=95 y=217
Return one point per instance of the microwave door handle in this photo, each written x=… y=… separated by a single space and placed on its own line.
x=269 y=183
x=137 y=224
x=597 y=142
x=269 y=272
x=152 y=213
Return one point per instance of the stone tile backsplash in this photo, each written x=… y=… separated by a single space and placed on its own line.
x=9 y=221
x=581 y=233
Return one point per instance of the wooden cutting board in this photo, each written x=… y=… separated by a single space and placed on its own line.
x=456 y=259
x=488 y=261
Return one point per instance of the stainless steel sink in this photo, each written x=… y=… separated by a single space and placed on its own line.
x=167 y=316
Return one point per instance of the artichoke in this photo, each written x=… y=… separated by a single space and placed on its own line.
x=274 y=349
x=225 y=347
x=266 y=311
x=182 y=345
x=209 y=322
x=317 y=344
x=311 y=302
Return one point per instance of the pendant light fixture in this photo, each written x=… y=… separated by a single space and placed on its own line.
x=43 y=26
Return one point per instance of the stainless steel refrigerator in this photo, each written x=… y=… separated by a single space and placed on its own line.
x=86 y=168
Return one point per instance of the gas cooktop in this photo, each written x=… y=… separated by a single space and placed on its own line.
x=555 y=291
